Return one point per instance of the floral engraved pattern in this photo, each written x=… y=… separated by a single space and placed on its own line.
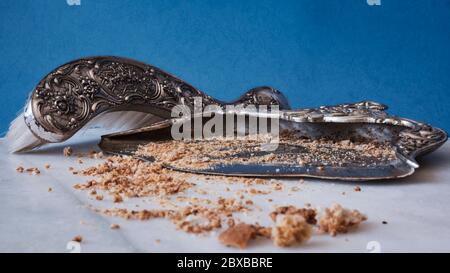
x=66 y=99
x=69 y=97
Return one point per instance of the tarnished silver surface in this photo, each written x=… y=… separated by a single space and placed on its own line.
x=365 y=121
x=74 y=93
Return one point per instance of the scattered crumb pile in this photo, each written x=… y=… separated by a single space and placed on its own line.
x=291 y=150
x=120 y=178
x=123 y=177
x=195 y=219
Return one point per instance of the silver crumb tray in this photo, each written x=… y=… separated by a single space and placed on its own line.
x=365 y=122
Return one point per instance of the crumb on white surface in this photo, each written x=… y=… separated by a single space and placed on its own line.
x=337 y=219
x=290 y=229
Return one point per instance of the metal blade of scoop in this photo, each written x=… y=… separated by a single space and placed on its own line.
x=364 y=121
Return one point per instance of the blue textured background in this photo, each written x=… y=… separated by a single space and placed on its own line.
x=316 y=52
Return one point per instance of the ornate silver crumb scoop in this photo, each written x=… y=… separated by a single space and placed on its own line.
x=82 y=91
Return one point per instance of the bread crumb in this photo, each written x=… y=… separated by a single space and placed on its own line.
x=278 y=187
x=290 y=229
x=308 y=214
x=265 y=232
x=20 y=169
x=231 y=222
x=33 y=170
x=67 y=151
x=337 y=219
x=357 y=188
x=50 y=189
x=78 y=239
x=117 y=198
x=238 y=235
x=114 y=226
x=99 y=197
x=47 y=166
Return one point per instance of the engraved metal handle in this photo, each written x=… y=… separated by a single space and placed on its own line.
x=74 y=93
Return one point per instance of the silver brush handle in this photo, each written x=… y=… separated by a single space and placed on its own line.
x=74 y=93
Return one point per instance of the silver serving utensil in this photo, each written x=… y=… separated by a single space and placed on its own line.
x=366 y=121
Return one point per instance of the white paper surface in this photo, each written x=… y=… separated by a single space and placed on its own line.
x=33 y=219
